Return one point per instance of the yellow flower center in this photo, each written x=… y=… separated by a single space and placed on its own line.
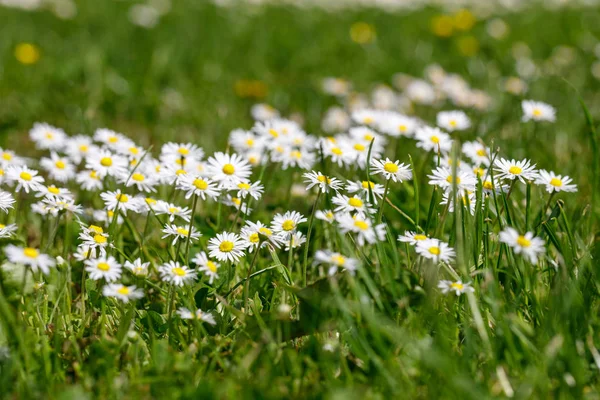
x=367 y=184
x=183 y=231
x=102 y=266
x=337 y=151
x=183 y=151
x=402 y=128
x=178 y=271
x=26 y=176
x=250 y=142
x=418 y=236
x=323 y=179
x=488 y=185
x=96 y=229
x=368 y=137
x=456 y=285
x=200 y=184
x=362 y=225
x=49 y=135
x=338 y=260
x=138 y=177
x=479 y=171
x=31 y=252
x=84 y=148
x=265 y=231
x=226 y=246
x=450 y=179
x=93 y=175
x=537 y=112
x=53 y=189
x=556 y=182
x=288 y=225
x=296 y=154
x=481 y=153
x=113 y=139
x=359 y=147
x=99 y=239
x=515 y=170
x=180 y=172
x=60 y=164
x=244 y=186
x=150 y=201
x=523 y=242
x=7 y=156
x=106 y=161
x=124 y=290
x=236 y=201
x=367 y=120
x=355 y=202
x=434 y=250
x=211 y=266
x=122 y=198
x=273 y=133
x=452 y=123
x=390 y=167
x=435 y=139
x=228 y=169
x=254 y=238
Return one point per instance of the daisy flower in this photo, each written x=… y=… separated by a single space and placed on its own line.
x=433 y=139
x=52 y=190
x=477 y=152
x=62 y=204
x=80 y=147
x=198 y=315
x=325 y=215
x=528 y=245
x=555 y=183
x=228 y=168
x=365 y=116
x=7 y=231
x=537 y=111
x=435 y=249
x=94 y=238
x=197 y=185
x=513 y=169
x=412 y=238
x=30 y=257
x=103 y=267
x=350 y=204
x=174 y=151
x=396 y=125
x=254 y=190
x=59 y=168
x=106 y=163
x=362 y=227
x=255 y=232
x=286 y=224
x=443 y=178
x=238 y=204
x=9 y=157
x=315 y=178
x=294 y=241
x=364 y=187
x=469 y=200
x=391 y=170
x=112 y=200
x=122 y=292
x=110 y=138
x=335 y=261
x=137 y=267
x=89 y=180
x=458 y=287
x=226 y=246
x=6 y=201
x=162 y=207
x=489 y=187
x=27 y=179
x=47 y=137
x=180 y=233
x=207 y=266
x=175 y=273
x=142 y=180
x=453 y=120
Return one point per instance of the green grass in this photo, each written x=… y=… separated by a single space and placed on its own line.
x=529 y=329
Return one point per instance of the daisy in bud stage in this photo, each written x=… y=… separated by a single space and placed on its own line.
x=228 y=168
x=336 y=260
x=176 y=274
x=180 y=233
x=137 y=267
x=209 y=267
x=528 y=245
x=442 y=177
x=198 y=315
x=59 y=168
x=363 y=189
x=537 y=111
x=162 y=207
x=226 y=246
x=122 y=292
x=412 y=238
x=29 y=257
x=433 y=139
x=324 y=182
x=7 y=231
x=6 y=201
x=457 y=287
x=391 y=170
x=197 y=185
x=286 y=224
x=26 y=179
x=106 y=268
x=513 y=169
x=362 y=227
x=325 y=215
x=47 y=137
x=555 y=183
x=453 y=121
x=436 y=250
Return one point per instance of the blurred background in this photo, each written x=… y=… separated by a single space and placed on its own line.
x=192 y=70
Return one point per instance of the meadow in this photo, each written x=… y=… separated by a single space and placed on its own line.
x=243 y=201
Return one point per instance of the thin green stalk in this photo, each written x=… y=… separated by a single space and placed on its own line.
x=187 y=244
x=308 y=235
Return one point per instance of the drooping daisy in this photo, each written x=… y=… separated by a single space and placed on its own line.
x=457 y=287
x=554 y=182
x=286 y=224
x=513 y=169
x=122 y=292
x=26 y=179
x=336 y=260
x=435 y=249
x=453 y=120
x=59 y=168
x=442 y=177
x=47 y=137
x=176 y=274
x=30 y=257
x=412 y=238
x=528 y=245
x=226 y=246
x=103 y=267
x=199 y=315
x=180 y=233
x=364 y=188
x=537 y=111
x=198 y=185
x=362 y=227
x=209 y=267
x=228 y=168
x=7 y=231
x=433 y=139
x=137 y=267
x=6 y=201
x=391 y=170
x=324 y=182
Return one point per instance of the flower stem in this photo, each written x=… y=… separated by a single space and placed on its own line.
x=383 y=199
x=308 y=234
